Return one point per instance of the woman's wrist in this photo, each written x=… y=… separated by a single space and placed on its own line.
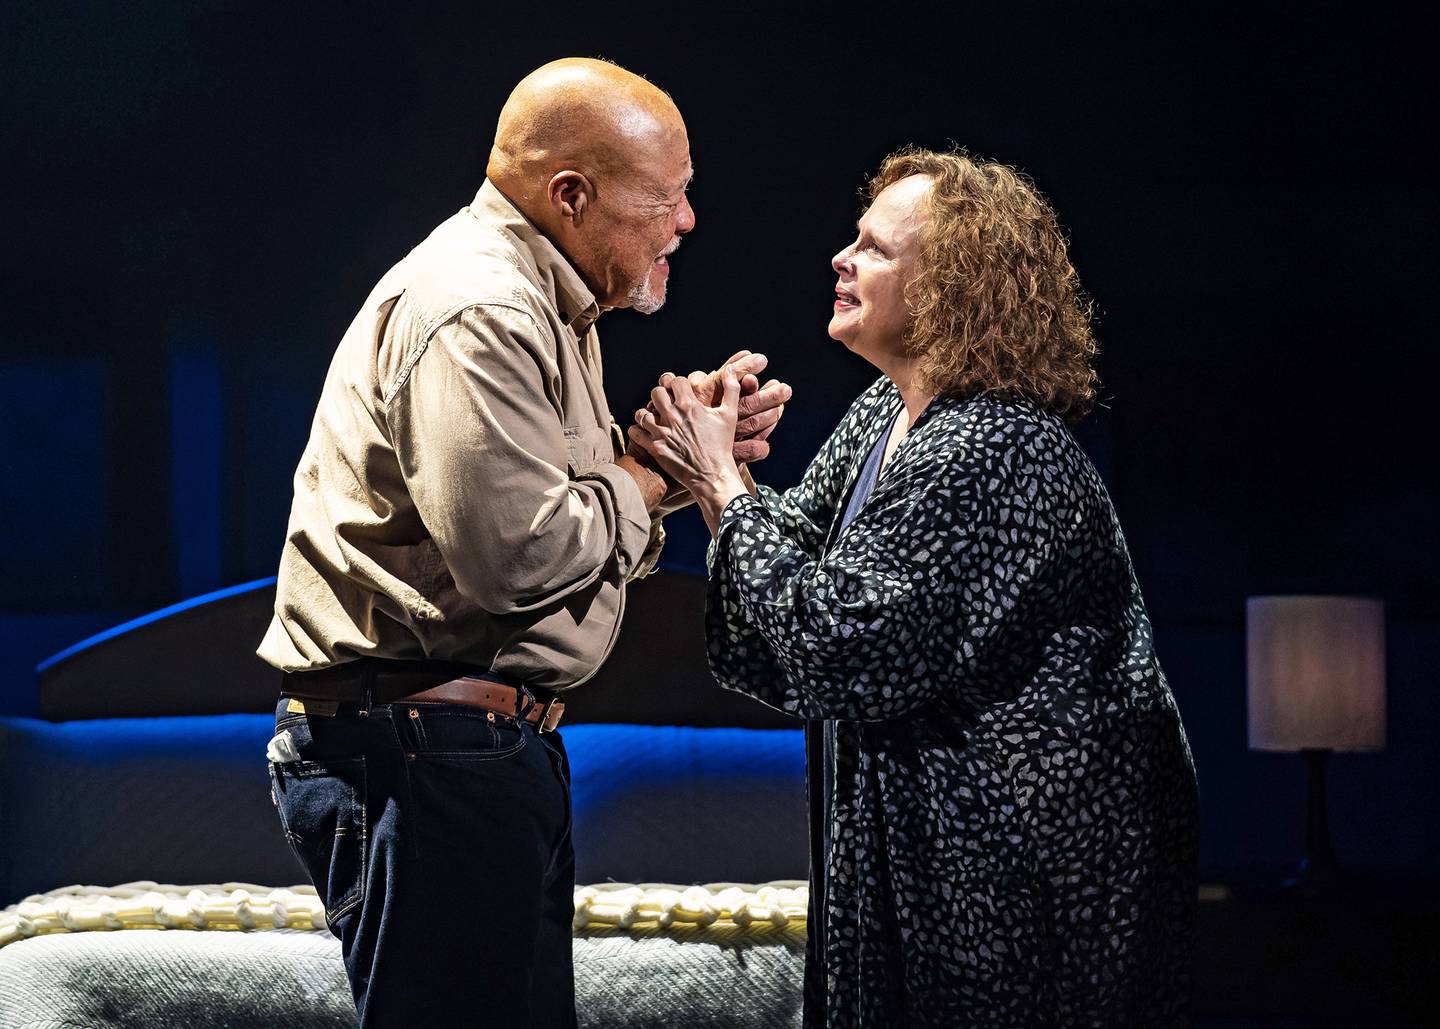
x=712 y=494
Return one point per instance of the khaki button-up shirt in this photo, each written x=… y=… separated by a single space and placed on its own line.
x=458 y=498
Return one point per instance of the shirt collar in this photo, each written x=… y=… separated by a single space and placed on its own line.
x=556 y=275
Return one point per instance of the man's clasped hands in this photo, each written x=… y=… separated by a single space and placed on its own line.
x=705 y=427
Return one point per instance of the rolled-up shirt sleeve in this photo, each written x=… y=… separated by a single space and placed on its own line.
x=655 y=543
x=521 y=515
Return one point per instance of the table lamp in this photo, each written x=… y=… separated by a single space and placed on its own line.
x=1316 y=673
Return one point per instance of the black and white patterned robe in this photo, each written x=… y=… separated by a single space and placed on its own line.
x=1006 y=793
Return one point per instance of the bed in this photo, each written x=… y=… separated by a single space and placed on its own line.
x=141 y=862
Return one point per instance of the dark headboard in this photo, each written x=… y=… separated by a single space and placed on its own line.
x=198 y=657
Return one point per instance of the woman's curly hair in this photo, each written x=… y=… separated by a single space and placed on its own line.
x=996 y=306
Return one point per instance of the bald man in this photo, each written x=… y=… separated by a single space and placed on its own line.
x=464 y=525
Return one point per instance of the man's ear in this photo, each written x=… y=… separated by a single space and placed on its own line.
x=569 y=194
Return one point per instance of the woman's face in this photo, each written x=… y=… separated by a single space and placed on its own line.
x=870 y=312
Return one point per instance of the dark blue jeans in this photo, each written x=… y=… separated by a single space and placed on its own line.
x=438 y=838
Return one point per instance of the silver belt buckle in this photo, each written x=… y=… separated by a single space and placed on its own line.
x=543 y=725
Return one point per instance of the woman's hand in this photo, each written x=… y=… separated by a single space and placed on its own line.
x=693 y=442
x=761 y=407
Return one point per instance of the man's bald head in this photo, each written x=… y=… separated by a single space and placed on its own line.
x=584 y=115
x=599 y=160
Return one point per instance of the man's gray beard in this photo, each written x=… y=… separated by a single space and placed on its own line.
x=642 y=299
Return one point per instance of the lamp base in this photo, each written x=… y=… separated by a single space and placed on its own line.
x=1317 y=871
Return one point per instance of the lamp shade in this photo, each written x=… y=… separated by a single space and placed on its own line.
x=1316 y=673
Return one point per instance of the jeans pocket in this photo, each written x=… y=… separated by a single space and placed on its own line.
x=449 y=732
x=322 y=811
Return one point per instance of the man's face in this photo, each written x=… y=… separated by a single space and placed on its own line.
x=871 y=315
x=638 y=224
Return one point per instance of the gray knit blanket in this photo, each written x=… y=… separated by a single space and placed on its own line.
x=639 y=979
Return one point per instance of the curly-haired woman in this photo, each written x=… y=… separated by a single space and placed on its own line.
x=1003 y=800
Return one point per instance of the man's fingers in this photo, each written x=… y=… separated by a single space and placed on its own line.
x=773 y=394
x=748 y=451
x=757 y=423
x=750 y=364
x=746 y=363
x=707 y=387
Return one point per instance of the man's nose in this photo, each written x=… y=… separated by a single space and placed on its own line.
x=685 y=217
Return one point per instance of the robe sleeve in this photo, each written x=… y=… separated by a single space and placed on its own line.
x=803 y=514
x=902 y=612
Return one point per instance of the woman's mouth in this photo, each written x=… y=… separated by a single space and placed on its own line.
x=845 y=301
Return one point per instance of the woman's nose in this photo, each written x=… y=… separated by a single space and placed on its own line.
x=841 y=261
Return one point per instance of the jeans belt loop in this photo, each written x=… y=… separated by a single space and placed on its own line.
x=524 y=702
x=367 y=688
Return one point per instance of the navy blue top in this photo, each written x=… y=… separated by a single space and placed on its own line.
x=865 y=485
x=819 y=884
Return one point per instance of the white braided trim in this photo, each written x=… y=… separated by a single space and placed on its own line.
x=781 y=904
x=246 y=907
x=148 y=905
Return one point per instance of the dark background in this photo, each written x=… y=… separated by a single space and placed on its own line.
x=198 y=196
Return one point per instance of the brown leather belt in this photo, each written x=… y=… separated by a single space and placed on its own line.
x=490 y=696
x=375 y=681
